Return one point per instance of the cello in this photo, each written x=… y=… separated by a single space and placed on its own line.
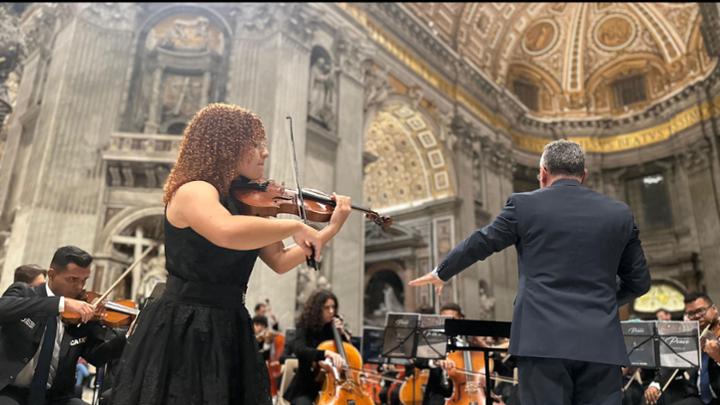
x=412 y=390
x=342 y=386
x=467 y=378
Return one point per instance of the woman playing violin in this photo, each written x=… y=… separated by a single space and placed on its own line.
x=195 y=344
x=314 y=327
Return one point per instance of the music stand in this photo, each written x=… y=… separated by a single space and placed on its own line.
x=372 y=344
x=411 y=336
x=662 y=344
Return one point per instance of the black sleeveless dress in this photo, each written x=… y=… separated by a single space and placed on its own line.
x=195 y=344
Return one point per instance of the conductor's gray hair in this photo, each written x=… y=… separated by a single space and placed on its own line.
x=563 y=157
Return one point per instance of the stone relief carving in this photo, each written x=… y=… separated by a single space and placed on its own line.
x=377 y=86
x=186 y=35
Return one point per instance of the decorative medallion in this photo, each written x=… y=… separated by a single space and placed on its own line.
x=186 y=33
x=540 y=37
x=614 y=32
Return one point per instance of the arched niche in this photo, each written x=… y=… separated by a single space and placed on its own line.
x=412 y=165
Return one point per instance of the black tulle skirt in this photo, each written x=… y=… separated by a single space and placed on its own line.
x=190 y=353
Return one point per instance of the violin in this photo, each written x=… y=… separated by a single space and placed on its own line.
x=115 y=314
x=268 y=198
x=342 y=386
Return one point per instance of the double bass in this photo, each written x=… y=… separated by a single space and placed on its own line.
x=342 y=386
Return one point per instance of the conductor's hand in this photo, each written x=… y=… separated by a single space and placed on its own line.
x=85 y=310
x=308 y=238
x=652 y=394
x=426 y=280
x=335 y=358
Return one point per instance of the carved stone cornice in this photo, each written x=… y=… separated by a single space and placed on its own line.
x=352 y=51
x=112 y=16
x=258 y=20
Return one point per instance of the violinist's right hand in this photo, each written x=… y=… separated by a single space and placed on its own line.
x=335 y=358
x=308 y=238
x=85 y=310
x=652 y=394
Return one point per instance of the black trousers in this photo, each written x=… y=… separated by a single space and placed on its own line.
x=545 y=381
x=12 y=395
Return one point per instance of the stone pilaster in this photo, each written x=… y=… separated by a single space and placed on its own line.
x=269 y=73
x=80 y=99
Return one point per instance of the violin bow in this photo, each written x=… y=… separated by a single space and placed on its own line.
x=122 y=276
x=310 y=260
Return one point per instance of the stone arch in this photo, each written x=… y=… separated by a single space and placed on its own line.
x=122 y=240
x=384 y=292
x=412 y=164
x=181 y=63
x=599 y=84
x=549 y=92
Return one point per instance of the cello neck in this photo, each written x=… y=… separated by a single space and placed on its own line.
x=339 y=344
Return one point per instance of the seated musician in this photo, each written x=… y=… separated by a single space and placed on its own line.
x=315 y=326
x=693 y=386
x=263 y=335
x=439 y=386
x=31 y=274
x=38 y=353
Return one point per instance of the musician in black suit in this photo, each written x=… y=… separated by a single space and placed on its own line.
x=579 y=259
x=38 y=353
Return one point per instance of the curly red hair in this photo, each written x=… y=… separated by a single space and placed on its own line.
x=214 y=141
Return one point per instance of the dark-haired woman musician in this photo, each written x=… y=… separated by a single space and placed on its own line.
x=195 y=344
x=315 y=326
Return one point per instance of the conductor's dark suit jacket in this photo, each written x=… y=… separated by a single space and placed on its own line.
x=579 y=257
x=24 y=311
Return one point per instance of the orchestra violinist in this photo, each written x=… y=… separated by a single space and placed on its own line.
x=38 y=351
x=698 y=385
x=194 y=344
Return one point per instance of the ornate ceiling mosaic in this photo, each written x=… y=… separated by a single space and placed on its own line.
x=411 y=167
x=574 y=52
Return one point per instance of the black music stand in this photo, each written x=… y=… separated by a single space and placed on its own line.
x=464 y=327
x=662 y=344
x=410 y=336
x=414 y=336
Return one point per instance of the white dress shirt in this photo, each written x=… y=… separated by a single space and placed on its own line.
x=25 y=376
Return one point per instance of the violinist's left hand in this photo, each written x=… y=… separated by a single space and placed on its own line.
x=342 y=210
x=712 y=348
